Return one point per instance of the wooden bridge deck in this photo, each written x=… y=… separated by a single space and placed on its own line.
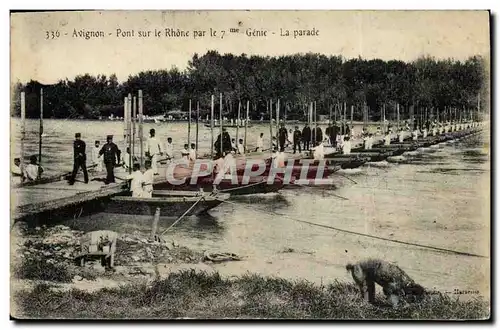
x=31 y=200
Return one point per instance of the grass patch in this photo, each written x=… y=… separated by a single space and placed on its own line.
x=37 y=268
x=201 y=295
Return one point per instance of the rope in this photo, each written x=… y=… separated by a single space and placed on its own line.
x=334 y=195
x=242 y=187
x=183 y=215
x=366 y=235
x=346 y=177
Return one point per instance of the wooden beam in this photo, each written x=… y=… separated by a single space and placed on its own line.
x=141 y=137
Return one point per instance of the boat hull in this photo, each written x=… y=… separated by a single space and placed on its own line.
x=169 y=206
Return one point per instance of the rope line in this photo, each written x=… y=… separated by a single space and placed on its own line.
x=242 y=187
x=183 y=215
x=449 y=251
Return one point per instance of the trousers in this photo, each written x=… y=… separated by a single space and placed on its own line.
x=79 y=163
x=306 y=144
x=295 y=145
x=110 y=168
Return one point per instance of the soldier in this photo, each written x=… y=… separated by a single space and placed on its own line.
x=282 y=137
x=297 y=137
x=80 y=159
x=154 y=149
x=306 y=136
x=111 y=158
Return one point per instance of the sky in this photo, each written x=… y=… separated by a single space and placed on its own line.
x=38 y=54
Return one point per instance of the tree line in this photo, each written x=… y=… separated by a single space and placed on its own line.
x=443 y=86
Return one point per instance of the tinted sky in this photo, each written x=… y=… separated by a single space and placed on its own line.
x=403 y=35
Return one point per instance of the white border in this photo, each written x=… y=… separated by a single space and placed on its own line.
x=185 y=4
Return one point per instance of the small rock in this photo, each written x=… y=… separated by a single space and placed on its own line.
x=170 y=259
x=77 y=278
x=136 y=258
x=47 y=253
x=188 y=259
x=38 y=228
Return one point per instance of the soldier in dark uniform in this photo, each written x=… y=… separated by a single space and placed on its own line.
x=297 y=136
x=318 y=134
x=306 y=136
x=111 y=158
x=282 y=137
x=329 y=132
x=79 y=159
x=226 y=143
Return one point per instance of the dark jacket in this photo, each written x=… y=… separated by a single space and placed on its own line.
x=318 y=134
x=297 y=136
x=306 y=133
x=282 y=134
x=79 y=150
x=111 y=153
x=226 y=143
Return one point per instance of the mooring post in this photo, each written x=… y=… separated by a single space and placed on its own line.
x=197 y=125
x=246 y=125
x=154 y=228
x=141 y=146
x=23 y=130
x=189 y=126
x=220 y=116
x=212 y=128
x=41 y=132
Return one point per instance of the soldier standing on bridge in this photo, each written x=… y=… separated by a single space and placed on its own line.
x=80 y=159
x=111 y=158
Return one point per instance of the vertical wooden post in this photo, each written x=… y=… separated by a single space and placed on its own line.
x=271 y=111
x=197 y=125
x=125 y=120
x=286 y=112
x=270 y=126
x=246 y=125
x=311 y=121
x=129 y=128
x=383 y=119
x=23 y=130
x=41 y=131
x=352 y=116
x=316 y=121
x=141 y=137
x=335 y=113
x=277 y=118
x=154 y=227
x=134 y=116
x=238 y=124
x=345 y=111
x=478 y=105
x=221 y=135
x=397 y=114
x=212 y=128
x=189 y=126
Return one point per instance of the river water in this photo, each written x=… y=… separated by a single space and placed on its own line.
x=439 y=198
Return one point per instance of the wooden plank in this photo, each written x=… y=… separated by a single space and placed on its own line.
x=75 y=198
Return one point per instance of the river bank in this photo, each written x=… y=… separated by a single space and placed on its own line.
x=164 y=280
